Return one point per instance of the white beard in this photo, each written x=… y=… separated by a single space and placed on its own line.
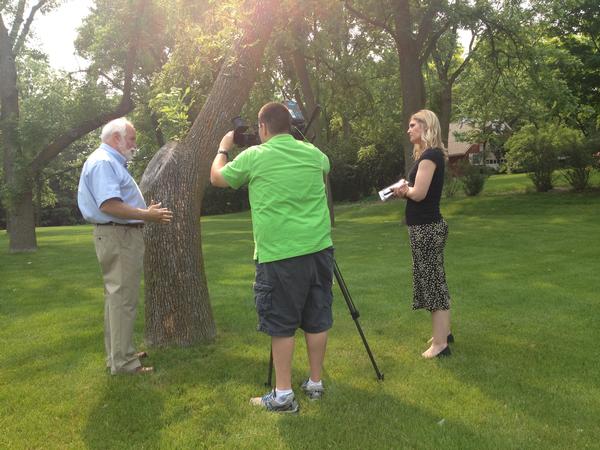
x=129 y=153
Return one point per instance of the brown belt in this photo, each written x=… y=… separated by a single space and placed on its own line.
x=115 y=224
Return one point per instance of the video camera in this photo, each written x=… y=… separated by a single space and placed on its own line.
x=242 y=137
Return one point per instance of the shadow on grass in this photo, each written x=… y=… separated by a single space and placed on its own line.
x=371 y=418
x=44 y=354
x=533 y=390
x=127 y=415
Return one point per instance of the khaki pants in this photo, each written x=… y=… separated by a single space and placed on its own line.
x=120 y=251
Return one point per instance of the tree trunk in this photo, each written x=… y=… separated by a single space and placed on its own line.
x=178 y=307
x=412 y=84
x=37 y=205
x=413 y=100
x=20 y=223
x=445 y=110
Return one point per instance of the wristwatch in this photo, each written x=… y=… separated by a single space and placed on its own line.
x=223 y=152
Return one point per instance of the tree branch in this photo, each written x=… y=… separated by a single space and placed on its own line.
x=463 y=65
x=426 y=23
x=16 y=26
x=440 y=67
x=112 y=82
x=7 y=73
x=25 y=31
x=100 y=73
x=431 y=42
x=362 y=16
x=63 y=141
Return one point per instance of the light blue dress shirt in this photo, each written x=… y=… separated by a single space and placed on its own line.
x=105 y=176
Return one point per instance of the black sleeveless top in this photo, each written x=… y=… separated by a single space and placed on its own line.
x=427 y=210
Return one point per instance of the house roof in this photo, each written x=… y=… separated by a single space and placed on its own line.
x=456 y=148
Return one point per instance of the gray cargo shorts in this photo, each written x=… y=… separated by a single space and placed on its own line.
x=295 y=293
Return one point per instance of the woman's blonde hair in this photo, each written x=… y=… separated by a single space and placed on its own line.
x=432 y=132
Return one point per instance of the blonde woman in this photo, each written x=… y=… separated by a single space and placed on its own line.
x=427 y=229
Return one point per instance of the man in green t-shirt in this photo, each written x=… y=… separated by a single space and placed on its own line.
x=293 y=248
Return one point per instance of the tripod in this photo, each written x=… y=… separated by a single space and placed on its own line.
x=355 y=315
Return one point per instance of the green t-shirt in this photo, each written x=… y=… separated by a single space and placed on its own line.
x=287 y=196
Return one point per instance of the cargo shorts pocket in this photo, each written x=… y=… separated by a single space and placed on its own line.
x=263 y=294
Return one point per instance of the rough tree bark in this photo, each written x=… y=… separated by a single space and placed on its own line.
x=178 y=310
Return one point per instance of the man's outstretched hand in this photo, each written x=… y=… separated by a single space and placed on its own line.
x=156 y=214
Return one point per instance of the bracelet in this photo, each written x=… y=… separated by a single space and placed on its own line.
x=223 y=152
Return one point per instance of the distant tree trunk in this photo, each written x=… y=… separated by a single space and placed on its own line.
x=413 y=99
x=39 y=186
x=445 y=111
x=158 y=134
x=20 y=222
x=178 y=310
x=412 y=84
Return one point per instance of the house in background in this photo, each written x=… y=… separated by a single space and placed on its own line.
x=473 y=152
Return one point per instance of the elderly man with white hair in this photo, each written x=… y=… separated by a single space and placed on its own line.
x=109 y=197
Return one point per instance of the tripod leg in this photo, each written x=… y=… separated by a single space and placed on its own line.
x=355 y=315
x=270 y=373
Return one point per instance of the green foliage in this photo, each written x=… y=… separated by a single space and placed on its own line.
x=345 y=180
x=52 y=102
x=379 y=166
x=575 y=27
x=172 y=111
x=104 y=36
x=579 y=161
x=517 y=78
x=537 y=150
x=472 y=177
x=539 y=67
x=198 y=35
x=223 y=201
x=62 y=178
x=452 y=182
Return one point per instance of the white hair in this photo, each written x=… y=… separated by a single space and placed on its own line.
x=115 y=126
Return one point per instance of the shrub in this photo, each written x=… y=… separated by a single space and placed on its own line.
x=345 y=181
x=222 y=201
x=579 y=160
x=60 y=216
x=579 y=165
x=452 y=183
x=537 y=151
x=473 y=178
x=378 y=167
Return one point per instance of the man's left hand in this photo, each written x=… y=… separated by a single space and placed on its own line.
x=227 y=142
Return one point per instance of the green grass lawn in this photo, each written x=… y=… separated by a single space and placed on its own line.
x=523 y=273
